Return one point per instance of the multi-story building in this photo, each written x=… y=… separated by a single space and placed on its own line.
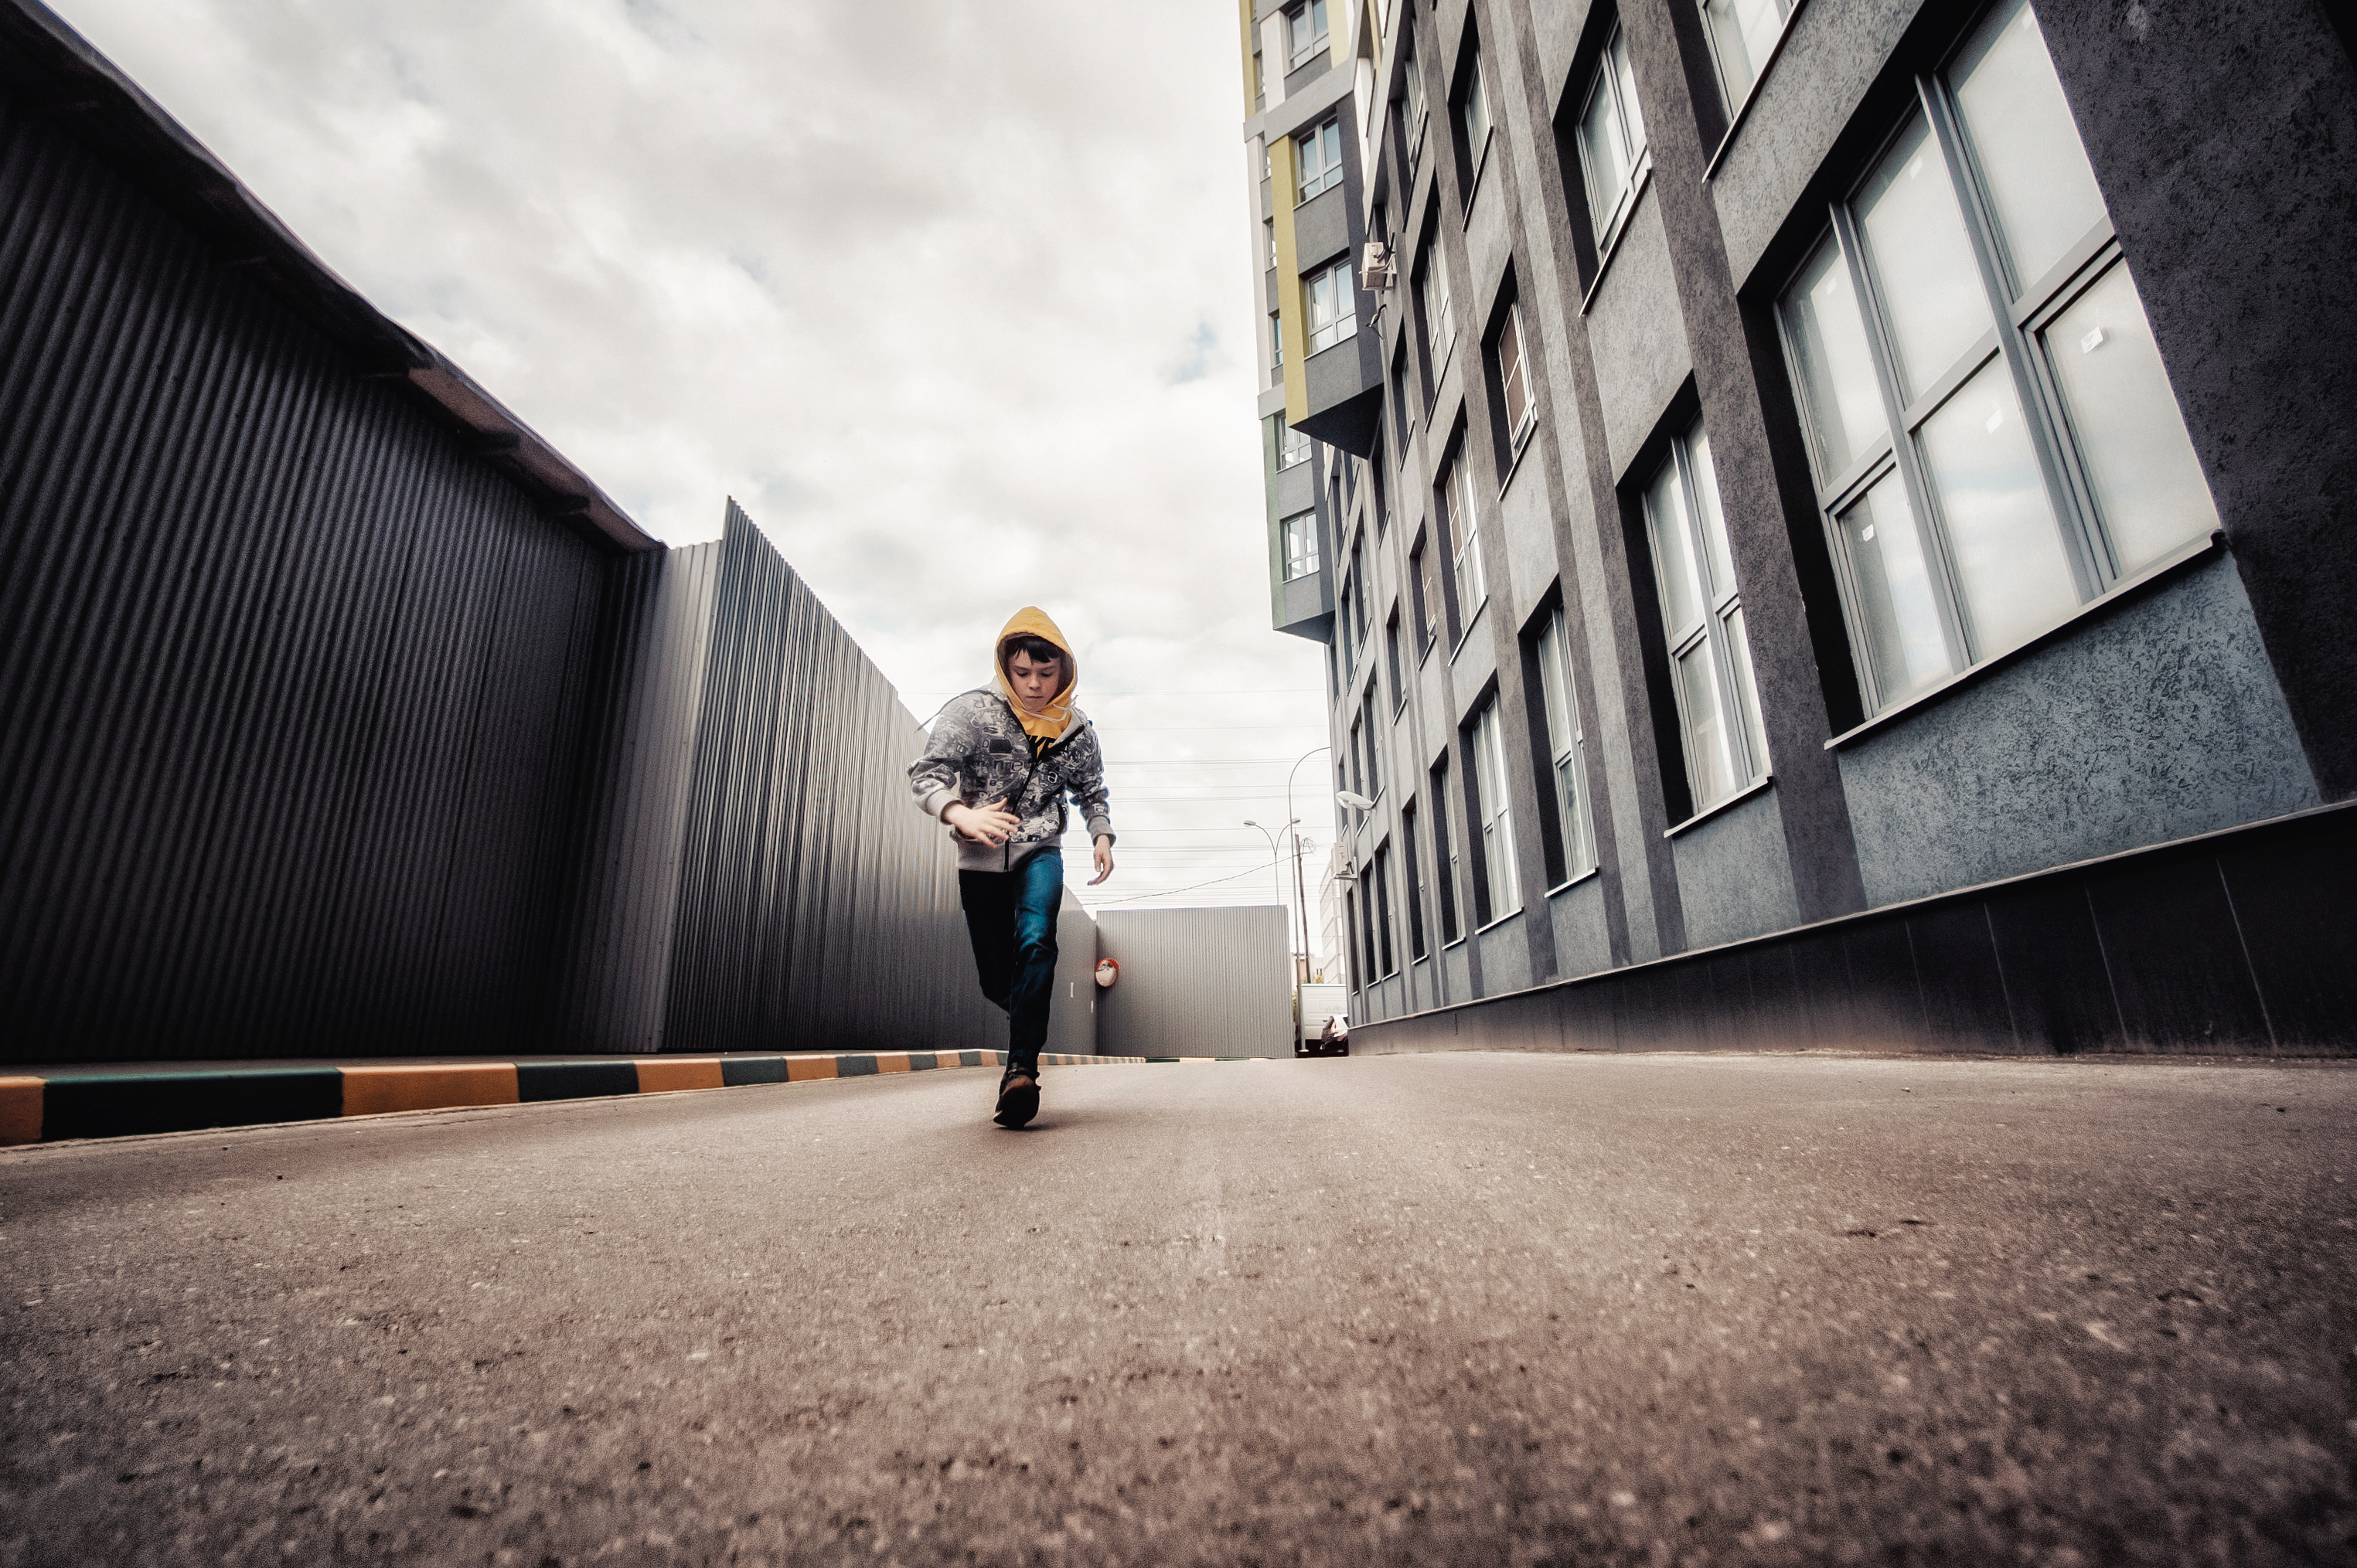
x=1831 y=521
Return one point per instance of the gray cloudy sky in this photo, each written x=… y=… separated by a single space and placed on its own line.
x=953 y=297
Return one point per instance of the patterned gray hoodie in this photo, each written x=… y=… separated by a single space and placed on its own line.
x=979 y=753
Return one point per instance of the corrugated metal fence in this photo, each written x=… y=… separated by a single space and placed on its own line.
x=816 y=907
x=319 y=734
x=1196 y=983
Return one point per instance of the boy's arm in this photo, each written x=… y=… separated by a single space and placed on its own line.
x=1088 y=789
x=934 y=777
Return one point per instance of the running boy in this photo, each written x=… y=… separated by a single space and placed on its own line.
x=1001 y=761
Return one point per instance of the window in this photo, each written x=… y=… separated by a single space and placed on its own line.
x=1359 y=598
x=1415 y=888
x=1455 y=498
x=1275 y=348
x=1611 y=142
x=1358 y=771
x=1260 y=80
x=1425 y=581
x=1368 y=714
x=1358 y=966
x=1566 y=750
x=1300 y=533
x=1321 y=160
x=1392 y=657
x=1402 y=414
x=1333 y=305
x=1743 y=32
x=1304 y=33
x=1382 y=500
x=1443 y=853
x=1414 y=116
x=1268 y=225
x=1342 y=628
x=1474 y=123
x=2039 y=457
x=1292 y=447
x=1497 y=819
x=1702 y=621
x=1383 y=910
x=1514 y=380
x=1439 y=312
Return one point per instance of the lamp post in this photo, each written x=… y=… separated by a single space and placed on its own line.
x=1300 y=895
x=1275 y=860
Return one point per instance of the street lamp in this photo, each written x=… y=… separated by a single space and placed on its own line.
x=1300 y=893
x=1274 y=859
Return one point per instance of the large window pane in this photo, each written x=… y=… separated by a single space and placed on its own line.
x=1828 y=335
x=2148 y=483
x=1607 y=166
x=1984 y=475
x=1624 y=77
x=1715 y=551
x=2026 y=144
x=1895 y=598
x=1674 y=562
x=1749 y=751
x=1742 y=32
x=1922 y=260
x=1713 y=770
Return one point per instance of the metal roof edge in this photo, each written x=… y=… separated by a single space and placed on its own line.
x=59 y=77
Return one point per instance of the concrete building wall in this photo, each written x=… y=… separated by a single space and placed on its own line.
x=1196 y=982
x=2180 y=699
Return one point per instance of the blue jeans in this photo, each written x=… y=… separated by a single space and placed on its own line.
x=1011 y=916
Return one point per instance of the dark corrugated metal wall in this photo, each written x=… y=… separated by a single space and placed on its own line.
x=317 y=738
x=653 y=642
x=290 y=687
x=817 y=909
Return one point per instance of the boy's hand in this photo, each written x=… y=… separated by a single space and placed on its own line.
x=1104 y=860
x=993 y=824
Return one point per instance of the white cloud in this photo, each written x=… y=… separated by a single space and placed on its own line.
x=955 y=297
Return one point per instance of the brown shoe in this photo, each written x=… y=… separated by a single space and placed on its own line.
x=1018 y=1099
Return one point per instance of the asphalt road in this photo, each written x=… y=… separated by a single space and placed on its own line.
x=1463 y=1309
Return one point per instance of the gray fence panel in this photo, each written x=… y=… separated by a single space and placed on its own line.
x=1196 y=983
x=817 y=909
x=290 y=686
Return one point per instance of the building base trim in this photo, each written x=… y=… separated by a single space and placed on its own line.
x=2229 y=943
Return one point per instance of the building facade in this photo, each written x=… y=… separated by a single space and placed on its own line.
x=1829 y=520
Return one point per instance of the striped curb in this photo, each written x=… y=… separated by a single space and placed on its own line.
x=35 y=1110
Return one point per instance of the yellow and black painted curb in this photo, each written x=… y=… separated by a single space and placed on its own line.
x=101 y=1104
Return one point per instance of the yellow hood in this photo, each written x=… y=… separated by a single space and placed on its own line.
x=1051 y=720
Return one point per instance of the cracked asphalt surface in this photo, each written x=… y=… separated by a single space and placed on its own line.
x=1460 y=1309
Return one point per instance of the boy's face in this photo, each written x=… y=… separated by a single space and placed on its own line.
x=1034 y=684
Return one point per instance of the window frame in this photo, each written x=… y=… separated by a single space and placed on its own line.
x=2022 y=311
x=1567 y=749
x=1298 y=53
x=1475 y=150
x=1608 y=227
x=1416 y=116
x=1391 y=656
x=1519 y=423
x=1340 y=286
x=1446 y=856
x=1464 y=541
x=1425 y=577
x=1501 y=885
x=1307 y=517
x=1379 y=868
x=1734 y=102
x=1438 y=352
x=1415 y=886
x=1289 y=439
x=1329 y=173
x=1719 y=604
